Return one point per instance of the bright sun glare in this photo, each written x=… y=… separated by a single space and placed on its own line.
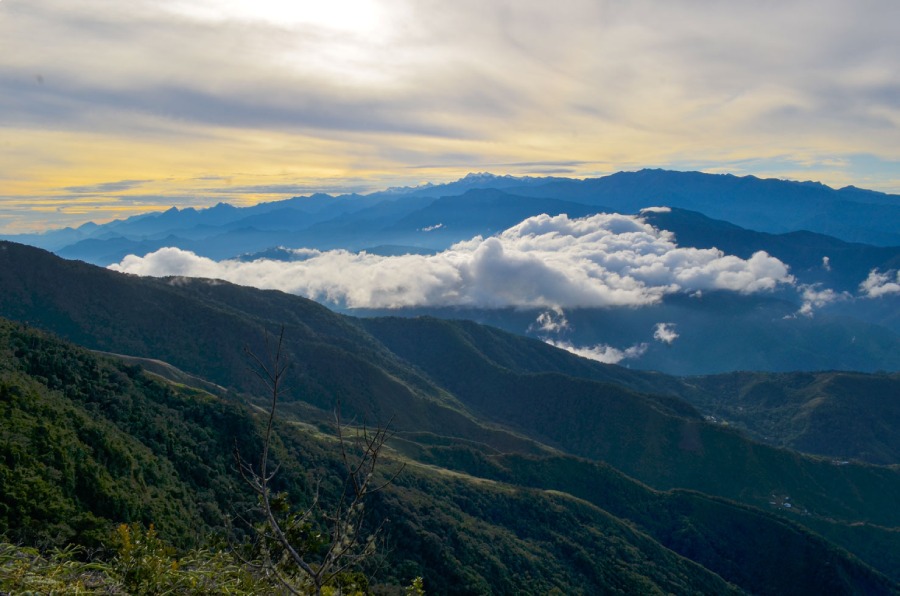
x=357 y=16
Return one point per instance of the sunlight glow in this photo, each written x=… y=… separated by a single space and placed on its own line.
x=349 y=16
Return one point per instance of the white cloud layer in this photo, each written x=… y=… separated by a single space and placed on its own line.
x=880 y=284
x=543 y=262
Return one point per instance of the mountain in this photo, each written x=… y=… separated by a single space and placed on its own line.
x=96 y=442
x=813 y=258
x=482 y=212
x=765 y=332
x=460 y=392
x=390 y=217
x=824 y=319
x=844 y=415
x=116 y=445
x=766 y=205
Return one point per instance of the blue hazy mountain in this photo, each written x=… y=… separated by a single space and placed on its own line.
x=767 y=205
x=420 y=222
x=814 y=258
x=409 y=216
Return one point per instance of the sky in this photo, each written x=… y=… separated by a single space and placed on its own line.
x=111 y=108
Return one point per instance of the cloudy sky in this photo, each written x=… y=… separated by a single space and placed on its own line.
x=109 y=108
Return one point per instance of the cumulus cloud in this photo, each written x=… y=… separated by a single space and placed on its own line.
x=665 y=333
x=551 y=321
x=826 y=263
x=602 y=352
x=880 y=284
x=656 y=210
x=814 y=296
x=543 y=262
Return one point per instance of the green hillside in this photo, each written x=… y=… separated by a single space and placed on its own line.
x=93 y=442
x=459 y=395
x=90 y=443
x=838 y=414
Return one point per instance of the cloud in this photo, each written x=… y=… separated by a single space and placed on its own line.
x=543 y=262
x=814 y=296
x=826 y=263
x=551 y=321
x=656 y=210
x=879 y=284
x=105 y=187
x=602 y=352
x=309 y=91
x=665 y=333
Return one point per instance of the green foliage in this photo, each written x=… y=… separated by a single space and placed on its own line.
x=732 y=540
x=416 y=587
x=143 y=564
x=146 y=565
x=25 y=570
x=87 y=442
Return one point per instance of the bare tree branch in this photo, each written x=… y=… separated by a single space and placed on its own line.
x=348 y=546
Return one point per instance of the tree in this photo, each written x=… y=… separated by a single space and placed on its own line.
x=293 y=549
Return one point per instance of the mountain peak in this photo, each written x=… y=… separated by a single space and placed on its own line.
x=478 y=176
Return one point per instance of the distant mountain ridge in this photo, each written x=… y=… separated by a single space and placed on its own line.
x=389 y=217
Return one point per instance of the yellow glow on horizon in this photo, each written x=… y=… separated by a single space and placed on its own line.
x=95 y=177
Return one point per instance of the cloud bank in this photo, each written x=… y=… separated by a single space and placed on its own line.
x=543 y=262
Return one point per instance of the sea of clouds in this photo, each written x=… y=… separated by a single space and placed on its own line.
x=543 y=262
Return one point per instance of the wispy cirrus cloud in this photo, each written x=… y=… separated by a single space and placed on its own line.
x=106 y=187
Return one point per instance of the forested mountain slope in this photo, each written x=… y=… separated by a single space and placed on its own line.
x=478 y=391
x=89 y=442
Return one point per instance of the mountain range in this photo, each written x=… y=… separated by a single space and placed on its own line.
x=834 y=306
x=434 y=216
x=528 y=469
